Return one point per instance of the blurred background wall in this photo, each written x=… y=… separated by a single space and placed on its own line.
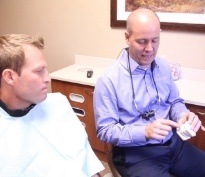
x=82 y=27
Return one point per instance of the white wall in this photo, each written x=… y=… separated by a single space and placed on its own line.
x=82 y=27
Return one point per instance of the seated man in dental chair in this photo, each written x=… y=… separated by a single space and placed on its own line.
x=40 y=136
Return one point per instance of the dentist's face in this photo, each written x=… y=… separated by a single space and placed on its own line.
x=143 y=40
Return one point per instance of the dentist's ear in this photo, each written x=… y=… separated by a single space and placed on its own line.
x=127 y=37
x=8 y=75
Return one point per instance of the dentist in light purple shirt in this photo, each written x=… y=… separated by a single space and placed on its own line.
x=138 y=108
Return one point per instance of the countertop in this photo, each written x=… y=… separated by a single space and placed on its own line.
x=191 y=83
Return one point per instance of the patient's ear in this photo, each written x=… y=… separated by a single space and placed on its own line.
x=8 y=75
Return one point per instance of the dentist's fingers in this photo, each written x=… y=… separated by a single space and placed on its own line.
x=202 y=128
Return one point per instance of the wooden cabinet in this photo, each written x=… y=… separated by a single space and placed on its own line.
x=199 y=139
x=81 y=99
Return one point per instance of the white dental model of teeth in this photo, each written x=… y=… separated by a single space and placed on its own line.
x=185 y=132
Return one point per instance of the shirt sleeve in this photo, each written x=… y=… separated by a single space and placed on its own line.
x=107 y=115
x=178 y=108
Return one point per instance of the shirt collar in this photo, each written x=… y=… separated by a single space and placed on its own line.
x=133 y=64
x=16 y=112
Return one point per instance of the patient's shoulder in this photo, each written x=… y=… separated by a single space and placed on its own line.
x=55 y=95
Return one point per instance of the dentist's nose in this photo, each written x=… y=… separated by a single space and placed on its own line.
x=149 y=46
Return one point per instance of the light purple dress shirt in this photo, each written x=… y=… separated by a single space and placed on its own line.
x=117 y=113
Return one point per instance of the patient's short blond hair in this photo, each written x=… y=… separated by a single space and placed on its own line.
x=12 y=54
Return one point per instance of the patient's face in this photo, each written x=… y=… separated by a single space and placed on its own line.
x=31 y=85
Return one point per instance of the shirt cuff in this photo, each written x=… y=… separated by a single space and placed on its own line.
x=138 y=132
